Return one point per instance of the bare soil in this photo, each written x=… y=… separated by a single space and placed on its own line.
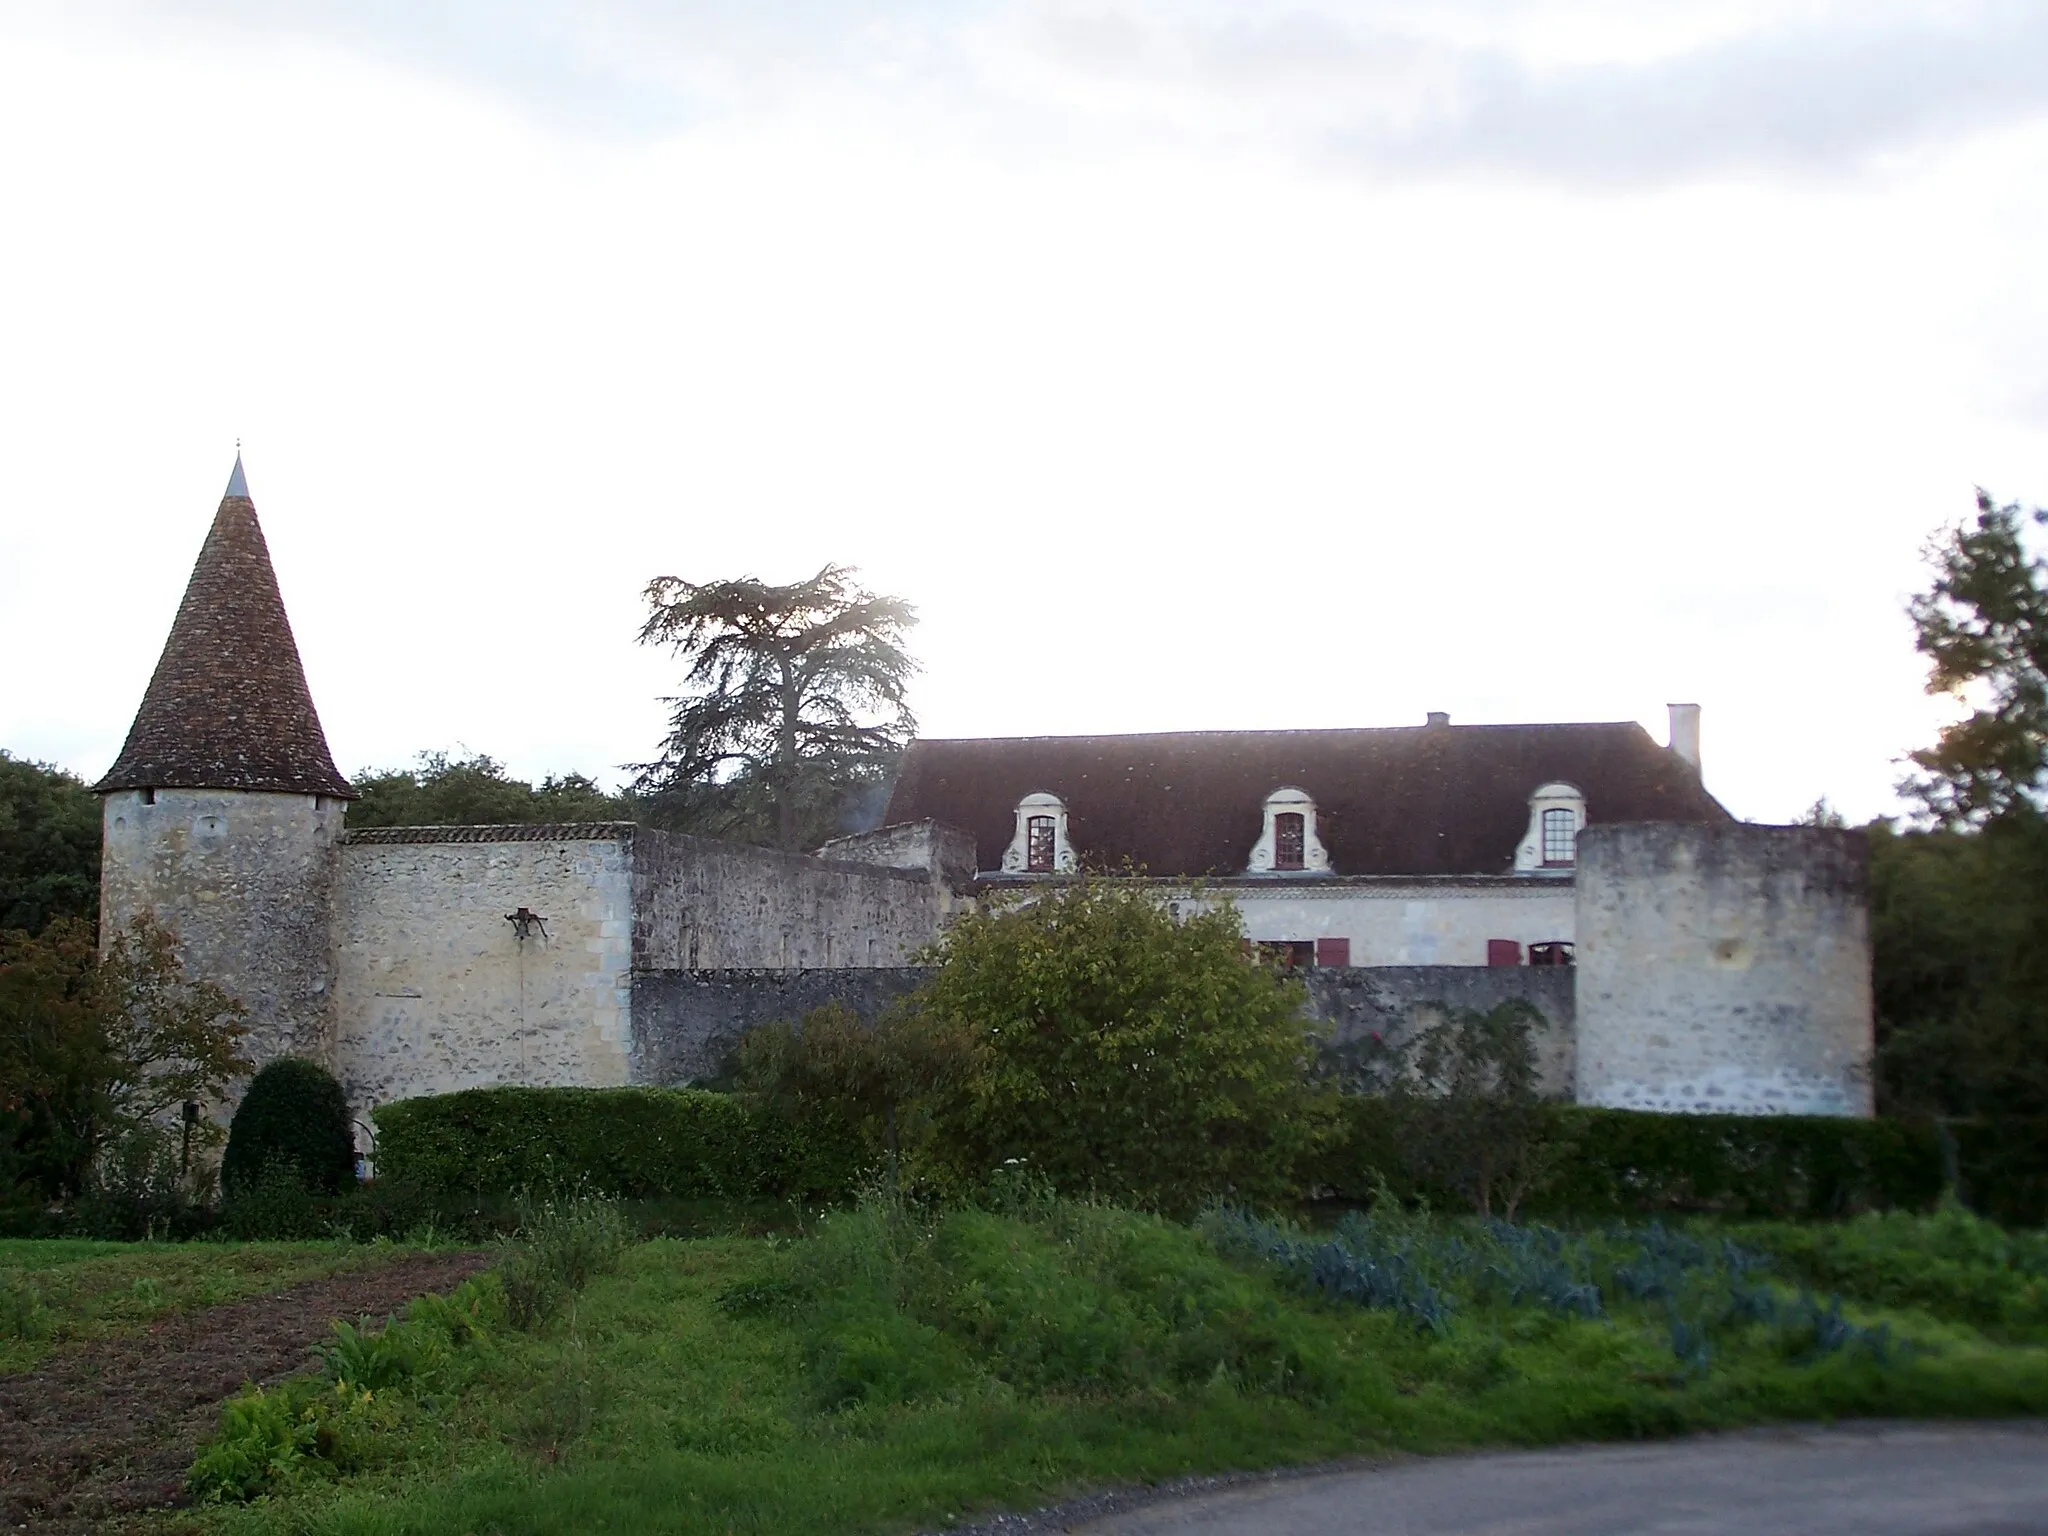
x=109 y=1428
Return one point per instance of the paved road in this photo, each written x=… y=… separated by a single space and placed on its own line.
x=1859 y=1480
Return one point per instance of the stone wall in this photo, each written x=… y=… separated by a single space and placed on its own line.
x=946 y=852
x=243 y=881
x=436 y=990
x=1393 y=1002
x=1724 y=968
x=686 y=1023
x=705 y=905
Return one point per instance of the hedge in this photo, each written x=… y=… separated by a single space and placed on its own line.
x=1615 y=1162
x=629 y=1142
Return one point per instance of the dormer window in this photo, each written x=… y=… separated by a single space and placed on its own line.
x=1040 y=846
x=1560 y=837
x=1556 y=813
x=1290 y=836
x=1288 y=843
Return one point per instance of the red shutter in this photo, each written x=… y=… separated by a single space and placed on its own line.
x=1503 y=952
x=1333 y=951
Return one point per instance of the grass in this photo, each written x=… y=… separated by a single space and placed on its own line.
x=56 y=1291
x=895 y=1370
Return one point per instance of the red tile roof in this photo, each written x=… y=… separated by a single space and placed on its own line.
x=1421 y=800
x=228 y=706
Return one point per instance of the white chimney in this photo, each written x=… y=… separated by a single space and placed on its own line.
x=1685 y=732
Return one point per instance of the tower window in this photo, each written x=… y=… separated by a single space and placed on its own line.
x=1560 y=837
x=1290 y=837
x=149 y=797
x=1041 y=845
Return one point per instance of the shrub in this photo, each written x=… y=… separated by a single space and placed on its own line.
x=1131 y=1052
x=626 y=1142
x=294 y=1116
x=1616 y=1162
x=562 y=1245
x=883 y=1084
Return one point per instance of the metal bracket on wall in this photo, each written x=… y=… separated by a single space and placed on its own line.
x=525 y=922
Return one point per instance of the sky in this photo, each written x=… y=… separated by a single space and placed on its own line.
x=1189 y=364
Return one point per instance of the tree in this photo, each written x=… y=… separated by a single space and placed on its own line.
x=445 y=791
x=49 y=846
x=99 y=1048
x=1983 y=626
x=795 y=702
x=1130 y=1052
x=294 y=1122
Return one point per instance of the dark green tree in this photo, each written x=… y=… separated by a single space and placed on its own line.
x=447 y=791
x=294 y=1119
x=1983 y=626
x=794 y=703
x=49 y=846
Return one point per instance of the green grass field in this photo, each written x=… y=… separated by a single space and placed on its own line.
x=892 y=1371
x=57 y=1291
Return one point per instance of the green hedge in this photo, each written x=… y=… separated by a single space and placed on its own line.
x=618 y=1141
x=1616 y=1162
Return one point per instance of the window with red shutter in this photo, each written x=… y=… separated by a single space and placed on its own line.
x=1039 y=845
x=1333 y=951
x=1503 y=952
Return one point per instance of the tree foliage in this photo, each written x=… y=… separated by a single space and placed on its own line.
x=1467 y=1105
x=447 y=791
x=49 y=846
x=97 y=1050
x=1131 y=1052
x=1983 y=625
x=794 y=703
x=892 y=1083
x=293 y=1122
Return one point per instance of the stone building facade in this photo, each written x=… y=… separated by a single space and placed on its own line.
x=1404 y=871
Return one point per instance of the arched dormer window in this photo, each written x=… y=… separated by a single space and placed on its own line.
x=1288 y=842
x=1556 y=813
x=1040 y=846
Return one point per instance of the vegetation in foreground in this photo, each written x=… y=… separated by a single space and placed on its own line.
x=899 y=1368
x=61 y=1291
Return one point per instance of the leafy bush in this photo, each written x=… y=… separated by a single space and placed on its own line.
x=23 y=1314
x=1132 y=1052
x=1615 y=1162
x=563 y=1244
x=611 y=1141
x=275 y=1206
x=294 y=1117
x=884 y=1084
x=262 y=1443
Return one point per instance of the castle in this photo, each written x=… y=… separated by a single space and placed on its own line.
x=1682 y=960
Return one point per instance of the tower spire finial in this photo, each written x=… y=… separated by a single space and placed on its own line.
x=238 y=483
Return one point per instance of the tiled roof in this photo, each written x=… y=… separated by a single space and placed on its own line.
x=540 y=832
x=1422 y=800
x=228 y=706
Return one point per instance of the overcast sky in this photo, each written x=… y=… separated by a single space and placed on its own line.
x=1190 y=364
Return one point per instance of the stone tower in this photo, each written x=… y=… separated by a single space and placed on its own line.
x=222 y=811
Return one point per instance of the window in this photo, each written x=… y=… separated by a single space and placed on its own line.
x=1555 y=952
x=1290 y=838
x=1333 y=951
x=1503 y=952
x=1040 y=845
x=1560 y=837
x=1289 y=954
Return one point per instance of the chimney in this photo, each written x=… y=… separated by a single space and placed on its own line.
x=1685 y=732
x=1437 y=717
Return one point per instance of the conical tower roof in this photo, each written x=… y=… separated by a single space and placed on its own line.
x=228 y=707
